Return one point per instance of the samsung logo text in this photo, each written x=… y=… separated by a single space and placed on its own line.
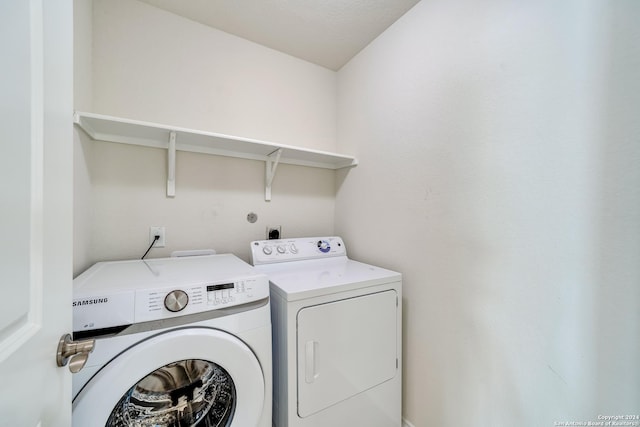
x=90 y=301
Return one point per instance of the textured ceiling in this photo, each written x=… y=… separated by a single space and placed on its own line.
x=326 y=32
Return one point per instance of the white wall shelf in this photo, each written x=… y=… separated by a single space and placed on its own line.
x=126 y=131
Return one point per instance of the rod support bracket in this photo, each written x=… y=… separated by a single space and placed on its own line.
x=171 y=165
x=271 y=164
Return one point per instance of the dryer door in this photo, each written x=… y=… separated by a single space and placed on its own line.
x=192 y=377
x=344 y=348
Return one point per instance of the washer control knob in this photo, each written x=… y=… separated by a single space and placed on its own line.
x=267 y=250
x=281 y=249
x=293 y=248
x=176 y=300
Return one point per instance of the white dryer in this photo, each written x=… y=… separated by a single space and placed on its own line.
x=337 y=335
x=178 y=341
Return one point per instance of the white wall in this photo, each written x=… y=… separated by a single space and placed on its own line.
x=499 y=149
x=151 y=65
x=155 y=66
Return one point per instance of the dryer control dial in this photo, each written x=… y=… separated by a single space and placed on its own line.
x=176 y=300
x=324 y=246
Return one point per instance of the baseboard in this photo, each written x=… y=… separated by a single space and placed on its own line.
x=406 y=423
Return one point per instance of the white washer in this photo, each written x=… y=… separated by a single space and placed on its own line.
x=337 y=335
x=178 y=341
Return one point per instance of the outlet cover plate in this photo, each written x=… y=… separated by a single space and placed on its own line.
x=157 y=231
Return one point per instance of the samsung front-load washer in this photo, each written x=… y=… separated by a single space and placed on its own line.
x=178 y=342
x=337 y=335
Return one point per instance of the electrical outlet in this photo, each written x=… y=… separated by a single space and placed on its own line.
x=157 y=231
x=274 y=232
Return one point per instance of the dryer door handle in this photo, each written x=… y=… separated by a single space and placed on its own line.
x=311 y=361
x=75 y=353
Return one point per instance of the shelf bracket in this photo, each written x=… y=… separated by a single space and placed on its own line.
x=171 y=165
x=270 y=171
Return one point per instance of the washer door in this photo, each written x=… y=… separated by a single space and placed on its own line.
x=187 y=377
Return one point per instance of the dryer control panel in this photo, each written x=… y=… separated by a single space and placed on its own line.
x=298 y=249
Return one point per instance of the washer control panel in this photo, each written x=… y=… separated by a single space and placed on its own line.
x=154 y=304
x=143 y=305
x=283 y=250
x=120 y=293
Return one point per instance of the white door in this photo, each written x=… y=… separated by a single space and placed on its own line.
x=36 y=167
x=344 y=348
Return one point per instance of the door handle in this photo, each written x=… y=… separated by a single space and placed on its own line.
x=73 y=352
x=311 y=361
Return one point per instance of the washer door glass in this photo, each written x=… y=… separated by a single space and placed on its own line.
x=190 y=392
